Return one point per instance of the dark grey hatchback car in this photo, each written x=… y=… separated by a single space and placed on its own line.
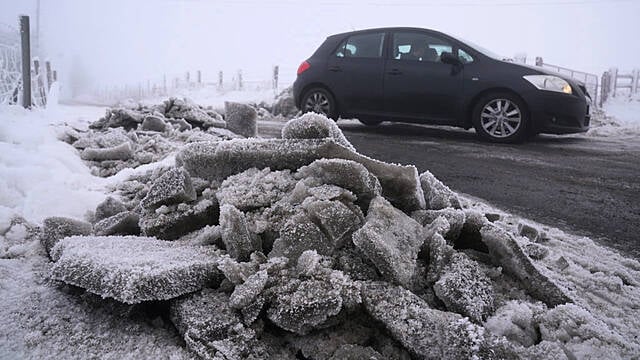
x=424 y=76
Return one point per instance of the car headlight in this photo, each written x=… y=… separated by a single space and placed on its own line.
x=549 y=83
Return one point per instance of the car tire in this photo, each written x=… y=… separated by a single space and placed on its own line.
x=501 y=117
x=370 y=122
x=320 y=101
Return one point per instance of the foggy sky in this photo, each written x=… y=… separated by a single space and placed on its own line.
x=119 y=41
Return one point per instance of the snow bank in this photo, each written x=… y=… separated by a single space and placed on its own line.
x=41 y=176
x=620 y=116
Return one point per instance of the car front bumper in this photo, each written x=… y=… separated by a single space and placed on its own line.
x=558 y=113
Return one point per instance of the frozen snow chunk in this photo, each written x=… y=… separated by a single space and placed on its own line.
x=109 y=207
x=345 y=174
x=192 y=113
x=516 y=321
x=239 y=240
x=465 y=289
x=315 y=126
x=174 y=186
x=203 y=316
x=301 y=306
x=583 y=334
x=528 y=231
x=335 y=219
x=218 y=160
x=455 y=218
x=391 y=240
x=426 y=332
x=153 y=123
x=440 y=255
x=299 y=234
x=56 y=228
x=437 y=195
x=180 y=124
x=134 y=269
x=121 y=117
x=506 y=252
x=120 y=152
x=546 y=350
x=331 y=192
x=255 y=188
x=237 y=272
x=241 y=119
x=246 y=293
x=124 y=223
x=536 y=251
x=356 y=352
x=213 y=330
x=179 y=220
x=111 y=138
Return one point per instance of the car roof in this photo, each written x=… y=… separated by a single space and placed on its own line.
x=388 y=29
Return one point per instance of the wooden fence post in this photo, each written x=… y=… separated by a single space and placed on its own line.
x=164 y=84
x=49 y=75
x=220 y=80
x=634 y=81
x=55 y=75
x=614 y=80
x=240 y=85
x=26 y=61
x=40 y=86
x=199 y=78
x=604 y=87
x=539 y=61
x=276 y=70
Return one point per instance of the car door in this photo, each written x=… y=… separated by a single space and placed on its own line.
x=416 y=83
x=355 y=73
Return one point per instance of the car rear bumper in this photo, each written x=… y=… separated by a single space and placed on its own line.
x=557 y=113
x=297 y=91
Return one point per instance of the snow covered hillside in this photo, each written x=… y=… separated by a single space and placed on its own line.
x=171 y=230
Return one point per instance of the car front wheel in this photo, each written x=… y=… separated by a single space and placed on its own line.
x=501 y=117
x=320 y=101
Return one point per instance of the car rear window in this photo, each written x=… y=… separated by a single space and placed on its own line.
x=368 y=45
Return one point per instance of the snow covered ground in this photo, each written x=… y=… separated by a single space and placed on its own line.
x=41 y=176
x=620 y=117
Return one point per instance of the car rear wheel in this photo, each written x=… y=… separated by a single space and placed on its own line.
x=320 y=101
x=501 y=117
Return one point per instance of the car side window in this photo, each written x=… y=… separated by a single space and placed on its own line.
x=362 y=46
x=464 y=57
x=413 y=46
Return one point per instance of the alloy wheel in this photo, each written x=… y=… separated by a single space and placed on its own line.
x=501 y=118
x=318 y=103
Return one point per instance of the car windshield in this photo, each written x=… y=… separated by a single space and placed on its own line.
x=483 y=50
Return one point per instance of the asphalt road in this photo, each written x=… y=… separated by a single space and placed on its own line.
x=586 y=186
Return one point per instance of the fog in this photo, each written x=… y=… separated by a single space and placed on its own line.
x=121 y=42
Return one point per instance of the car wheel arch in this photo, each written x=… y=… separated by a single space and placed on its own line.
x=319 y=85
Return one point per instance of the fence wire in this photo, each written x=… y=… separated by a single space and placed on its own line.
x=10 y=65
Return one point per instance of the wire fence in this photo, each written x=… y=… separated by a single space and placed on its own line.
x=10 y=65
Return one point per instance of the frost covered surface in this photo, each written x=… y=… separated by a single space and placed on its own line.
x=133 y=269
x=303 y=248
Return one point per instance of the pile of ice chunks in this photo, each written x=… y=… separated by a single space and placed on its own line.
x=303 y=248
x=130 y=137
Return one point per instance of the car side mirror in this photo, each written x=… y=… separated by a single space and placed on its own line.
x=448 y=58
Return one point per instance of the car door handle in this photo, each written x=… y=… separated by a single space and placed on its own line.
x=394 y=72
x=335 y=68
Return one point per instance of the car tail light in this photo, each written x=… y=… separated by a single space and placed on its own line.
x=303 y=67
